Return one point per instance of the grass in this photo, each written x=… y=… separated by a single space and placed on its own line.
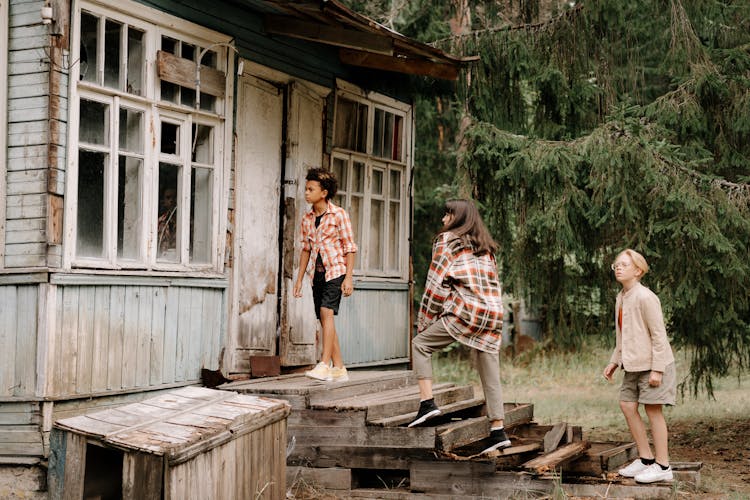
x=570 y=387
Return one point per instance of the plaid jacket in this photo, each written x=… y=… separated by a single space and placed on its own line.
x=463 y=291
x=332 y=239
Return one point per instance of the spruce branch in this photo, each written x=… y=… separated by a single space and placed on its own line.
x=534 y=27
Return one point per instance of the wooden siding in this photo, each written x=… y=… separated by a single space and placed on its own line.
x=114 y=338
x=18 y=339
x=373 y=324
x=20 y=434
x=25 y=242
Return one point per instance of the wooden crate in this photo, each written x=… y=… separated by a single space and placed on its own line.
x=189 y=443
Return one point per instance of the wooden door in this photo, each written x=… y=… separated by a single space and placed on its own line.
x=254 y=318
x=299 y=326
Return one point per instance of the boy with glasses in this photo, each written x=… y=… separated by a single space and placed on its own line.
x=642 y=350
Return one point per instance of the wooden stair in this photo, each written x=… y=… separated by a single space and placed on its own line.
x=342 y=435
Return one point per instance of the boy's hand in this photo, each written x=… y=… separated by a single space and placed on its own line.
x=298 y=289
x=654 y=380
x=609 y=371
x=347 y=287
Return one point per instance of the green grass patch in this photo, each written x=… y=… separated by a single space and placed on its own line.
x=569 y=387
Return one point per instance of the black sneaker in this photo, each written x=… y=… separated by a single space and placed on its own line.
x=498 y=440
x=427 y=410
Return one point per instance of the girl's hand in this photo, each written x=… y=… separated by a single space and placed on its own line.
x=347 y=287
x=609 y=371
x=298 y=289
x=654 y=380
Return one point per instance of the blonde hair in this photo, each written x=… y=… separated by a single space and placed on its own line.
x=639 y=260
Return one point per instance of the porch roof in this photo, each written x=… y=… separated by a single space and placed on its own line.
x=360 y=40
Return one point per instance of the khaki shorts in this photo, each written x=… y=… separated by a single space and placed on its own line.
x=635 y=388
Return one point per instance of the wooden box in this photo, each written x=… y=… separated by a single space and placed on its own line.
x=193 y=442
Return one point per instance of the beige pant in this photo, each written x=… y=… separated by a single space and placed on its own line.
x=435 y=338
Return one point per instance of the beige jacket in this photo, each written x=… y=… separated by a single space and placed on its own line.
x=644 y=345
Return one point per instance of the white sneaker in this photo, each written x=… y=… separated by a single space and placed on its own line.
x=320 y=372
x=339 y=374
x=654 y=473
x=634 y=468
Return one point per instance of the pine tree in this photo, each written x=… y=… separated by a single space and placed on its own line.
x=588 y=127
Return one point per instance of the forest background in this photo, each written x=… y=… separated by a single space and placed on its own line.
x=587 y=127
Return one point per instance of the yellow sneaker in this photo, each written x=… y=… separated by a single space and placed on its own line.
x=320 y=372
x=339 y=374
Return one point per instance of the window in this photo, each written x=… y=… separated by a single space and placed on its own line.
x=146 y=163
x=368 y=159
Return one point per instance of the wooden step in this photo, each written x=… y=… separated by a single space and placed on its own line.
x=396 y=402
x=301 y=391
x=449 y=410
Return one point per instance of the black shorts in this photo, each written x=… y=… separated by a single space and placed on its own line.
x=326 y=293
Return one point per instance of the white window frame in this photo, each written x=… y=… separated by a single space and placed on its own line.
x=4 y=37
x=154 y=24
x=373 y=100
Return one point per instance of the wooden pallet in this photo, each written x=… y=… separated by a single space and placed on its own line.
x=352 y=437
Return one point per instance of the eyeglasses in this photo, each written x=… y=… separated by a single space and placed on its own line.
x=619 y=265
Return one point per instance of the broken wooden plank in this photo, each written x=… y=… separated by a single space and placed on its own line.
x=517 y=414
x=554 y=436
x=181 y=71
x=602 y=457
x=687 y=472
x=456 y=434
x=560 y=456
x=574 y=433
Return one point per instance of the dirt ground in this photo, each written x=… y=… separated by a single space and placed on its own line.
x=724 y=448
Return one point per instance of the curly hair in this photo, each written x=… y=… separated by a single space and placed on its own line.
x=325 y=178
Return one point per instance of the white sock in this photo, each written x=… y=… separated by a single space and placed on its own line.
x=497 y=428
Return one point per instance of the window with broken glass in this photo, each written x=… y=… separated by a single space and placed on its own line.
x=147 y=162
x=368 y=160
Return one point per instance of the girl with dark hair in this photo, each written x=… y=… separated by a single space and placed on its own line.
x=462 y=302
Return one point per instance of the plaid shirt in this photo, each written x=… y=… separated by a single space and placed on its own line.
x=332 y=239
x=463 y=290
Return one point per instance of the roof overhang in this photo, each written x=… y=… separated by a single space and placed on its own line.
x=361 y=41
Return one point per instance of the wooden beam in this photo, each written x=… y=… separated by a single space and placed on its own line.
x=181 y=71
x=562 y=455
x=327 y=34
x=399 y=64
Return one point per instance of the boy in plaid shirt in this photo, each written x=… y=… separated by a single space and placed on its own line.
x=462 y=302
x=327 y=236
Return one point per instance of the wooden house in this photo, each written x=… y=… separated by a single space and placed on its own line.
x=151 y=190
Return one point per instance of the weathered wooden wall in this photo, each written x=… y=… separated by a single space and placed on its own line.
x=18 y=339
x=37 y=116
x=20 y=438
x=135 y=334
x=372 y=324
